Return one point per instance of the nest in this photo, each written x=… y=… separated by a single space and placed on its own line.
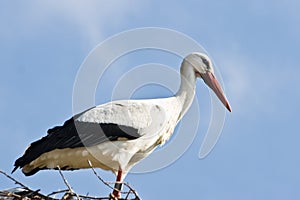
x=22 y=192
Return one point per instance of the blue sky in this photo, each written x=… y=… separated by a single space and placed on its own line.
x=255 y=45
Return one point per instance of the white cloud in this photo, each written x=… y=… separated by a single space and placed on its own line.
x=257 y=87
x=92 y=17
x=235 y=72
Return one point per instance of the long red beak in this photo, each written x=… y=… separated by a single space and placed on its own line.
x=213 y=83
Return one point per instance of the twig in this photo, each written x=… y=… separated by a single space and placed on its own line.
x=98 y=198
x=65 y=180
x=57 y=192
x=81 y=196
x=69 y=190
x=16 y=182
x=67 y=184
x=9 y=194
x=104 y=182
x=131 y=190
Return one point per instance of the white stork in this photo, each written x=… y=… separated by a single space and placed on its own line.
x=117 y=135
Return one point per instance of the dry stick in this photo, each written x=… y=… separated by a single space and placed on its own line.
x=57 y=192
x=9 y=194
x=98 y=198
x=67 y=184
x=16 y=182
x=104 y=182
x=127 y=195
x=21 y=184
x=82 y=196
x=131 y=190
x=64 y=179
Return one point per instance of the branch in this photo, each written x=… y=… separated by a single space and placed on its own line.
x=16 y=182
x=21 y=193
x=131 y=190
x=25 y=192
x=71 y=192
x=104 y=182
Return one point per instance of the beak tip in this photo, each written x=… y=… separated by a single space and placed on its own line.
x=212 y=82
x=228 y=107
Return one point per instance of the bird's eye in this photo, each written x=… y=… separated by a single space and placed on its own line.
x=205 y=62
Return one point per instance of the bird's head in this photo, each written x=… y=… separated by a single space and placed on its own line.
x=203 y=68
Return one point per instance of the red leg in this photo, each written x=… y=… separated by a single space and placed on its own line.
x=118 y=185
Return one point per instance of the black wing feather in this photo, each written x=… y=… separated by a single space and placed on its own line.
x=73 y=134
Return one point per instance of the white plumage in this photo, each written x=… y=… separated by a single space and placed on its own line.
x=116 y=135
x=154 y=119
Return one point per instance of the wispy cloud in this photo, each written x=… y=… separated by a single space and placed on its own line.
x=253 y=86
x=93 y=18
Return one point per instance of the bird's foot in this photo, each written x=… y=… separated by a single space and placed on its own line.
x=114 y=196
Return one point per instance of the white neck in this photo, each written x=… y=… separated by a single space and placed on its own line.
x=186 y=92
